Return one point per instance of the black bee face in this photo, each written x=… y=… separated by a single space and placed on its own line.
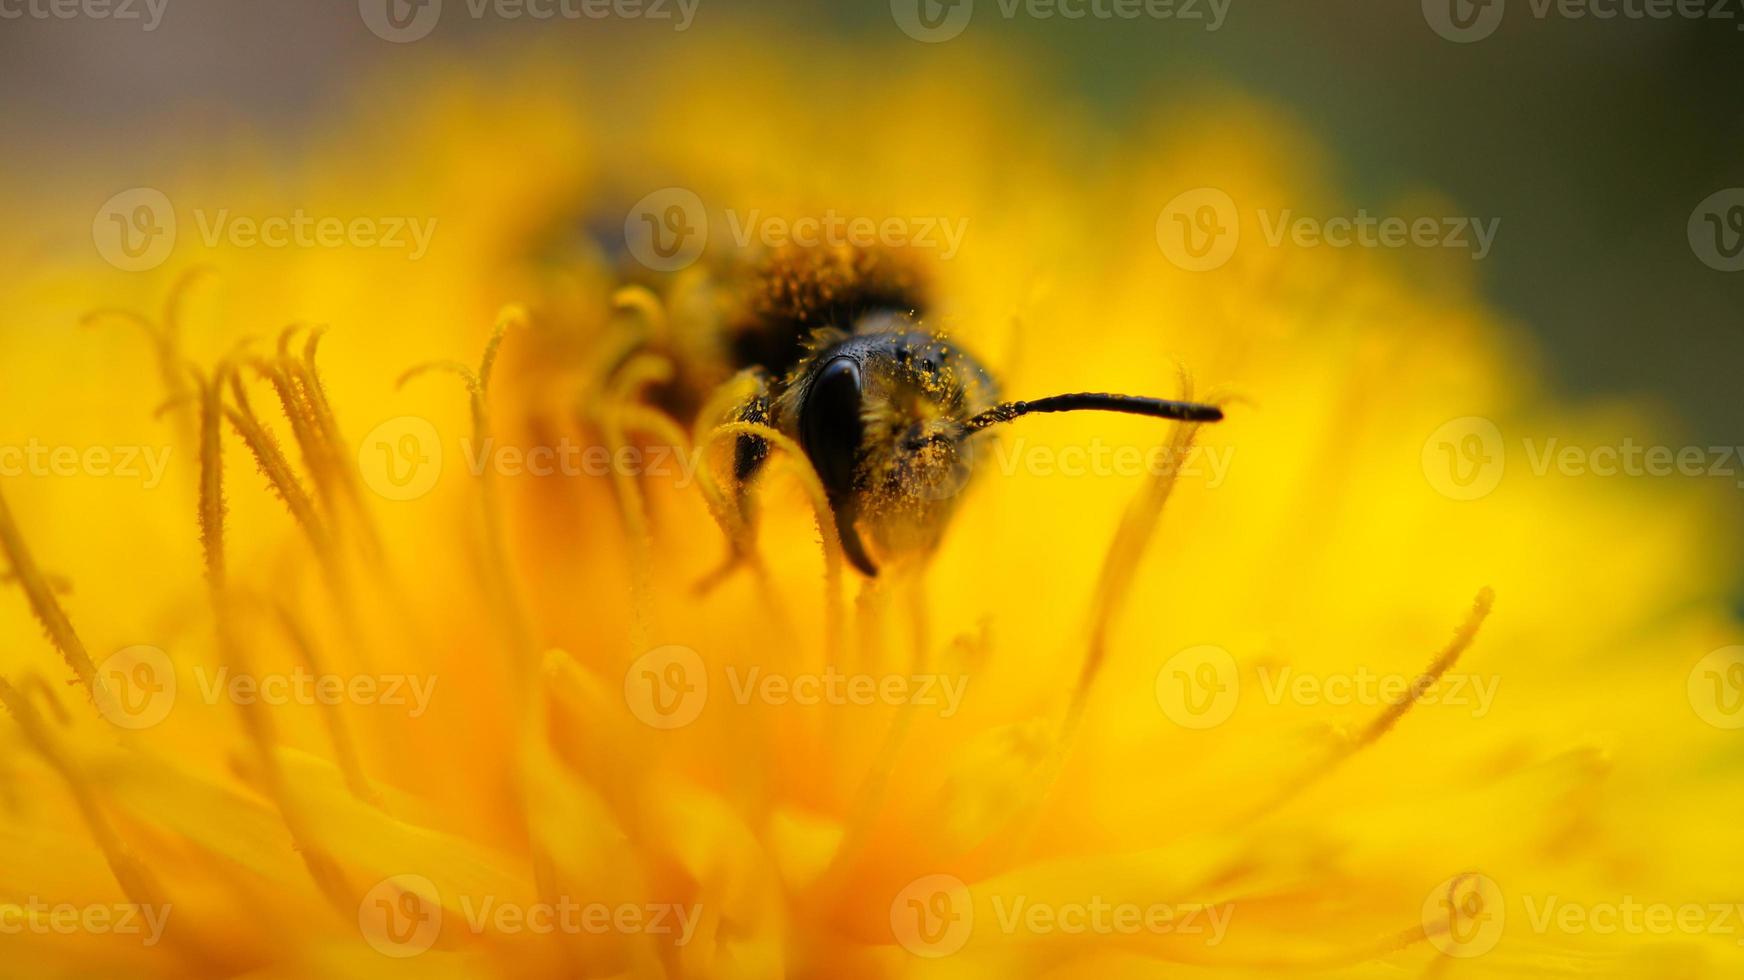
x=881 y=416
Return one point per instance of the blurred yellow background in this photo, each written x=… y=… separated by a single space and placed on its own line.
x=1579 y=751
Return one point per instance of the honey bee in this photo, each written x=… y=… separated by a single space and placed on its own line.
x=834 y=349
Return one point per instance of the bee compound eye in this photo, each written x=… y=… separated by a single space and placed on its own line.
x=830 y=429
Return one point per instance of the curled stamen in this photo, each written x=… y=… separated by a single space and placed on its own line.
x=178 y=297
x=500 y=579
x=826 y=518
x=510 y=317
x=433 y=367
x=730 y=518
x=332 y=443
x=642 y=301
x=165 y=338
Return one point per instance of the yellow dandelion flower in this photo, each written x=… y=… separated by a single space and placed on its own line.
x=369 y=613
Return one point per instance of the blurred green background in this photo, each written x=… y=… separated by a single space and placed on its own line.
x=1591 y=139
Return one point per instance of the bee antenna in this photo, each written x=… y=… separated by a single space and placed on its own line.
x=1088 y=401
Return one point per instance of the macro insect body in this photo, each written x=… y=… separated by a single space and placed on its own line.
x=833 y=348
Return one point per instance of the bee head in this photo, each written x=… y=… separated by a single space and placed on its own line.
x=881 y=417
x=890 y=417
